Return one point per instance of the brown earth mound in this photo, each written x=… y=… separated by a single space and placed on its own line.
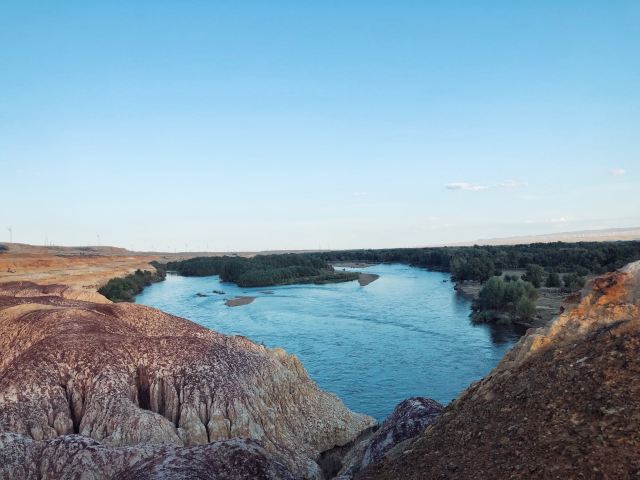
x=564 y=403
x=126 y=374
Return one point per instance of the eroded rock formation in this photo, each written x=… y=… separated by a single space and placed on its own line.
x=125 y=374
x=564 y=403
x=408 y=420
x=76 y=456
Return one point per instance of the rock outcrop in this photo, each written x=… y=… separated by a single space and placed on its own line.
x=125 y=374
x=563 y=403
x=408 y=420
x=77 y=456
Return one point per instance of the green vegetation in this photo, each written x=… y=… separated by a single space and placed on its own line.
x=475 y=268
x=474 y=263
x=498 y=298
x=3 y=248
x=553 y=280
x=263 y=270
x=573 y=282
x=535 y=275
x=126 y=288
x=510 y=298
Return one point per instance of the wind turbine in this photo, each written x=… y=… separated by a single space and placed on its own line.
x=10 y=234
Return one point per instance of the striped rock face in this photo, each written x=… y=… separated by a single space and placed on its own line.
x=125 y=374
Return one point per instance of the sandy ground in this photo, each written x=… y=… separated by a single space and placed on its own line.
x=85 y=271
x=365 y=279
x=351 y=264
x=238 y=301
x=79 y=267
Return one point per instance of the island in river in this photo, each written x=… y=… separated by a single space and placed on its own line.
x=263 y=270
x=239 y=301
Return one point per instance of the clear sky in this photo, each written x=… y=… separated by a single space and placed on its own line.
x=237 y=125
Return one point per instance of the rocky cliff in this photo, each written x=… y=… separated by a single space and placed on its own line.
x=109 y=384
x=564 y=403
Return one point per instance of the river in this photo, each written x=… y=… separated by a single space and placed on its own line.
x=406 y=334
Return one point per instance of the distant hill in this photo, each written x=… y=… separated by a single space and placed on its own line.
x=23 y=248
x=607 y=235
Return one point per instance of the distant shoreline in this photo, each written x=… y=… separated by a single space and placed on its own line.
x=352 y=264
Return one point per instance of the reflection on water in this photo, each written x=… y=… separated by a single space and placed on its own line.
x=406 y=334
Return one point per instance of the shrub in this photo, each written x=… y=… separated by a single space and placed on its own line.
x=553 y=280
x=126 y=288
x=515 y=298
x=535 y=275
x=525 y=308
x=485 y=316
x=573 y=282
x=491 y=295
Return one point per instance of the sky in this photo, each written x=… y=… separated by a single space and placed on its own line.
x=219 y=125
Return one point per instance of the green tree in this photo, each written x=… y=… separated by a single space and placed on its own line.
x=491 y=296
x=573 y=282
x=525 y=308
x=553 y=280
x=535 y=275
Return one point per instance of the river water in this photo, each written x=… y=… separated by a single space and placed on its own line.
x=406 y=334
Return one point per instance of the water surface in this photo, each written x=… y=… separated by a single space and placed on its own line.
x=406 y=334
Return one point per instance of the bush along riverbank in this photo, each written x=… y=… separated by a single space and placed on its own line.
x=529 y=299
x=126 y=288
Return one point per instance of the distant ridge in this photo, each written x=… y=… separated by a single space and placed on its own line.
x=603 y=235
x=606 y=235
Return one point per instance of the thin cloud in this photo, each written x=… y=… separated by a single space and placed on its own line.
x=559 y=220
x=473 y=187
x=617 y=172
x=512 y=184
x=465 y=186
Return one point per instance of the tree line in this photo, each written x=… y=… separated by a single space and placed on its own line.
x=126 y=288
x=482 y=262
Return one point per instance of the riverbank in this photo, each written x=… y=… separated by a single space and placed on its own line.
x=549 y=303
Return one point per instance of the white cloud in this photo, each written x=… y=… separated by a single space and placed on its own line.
x=465 y=186
x=512 y=184
x=617 y=172
x=559 y=220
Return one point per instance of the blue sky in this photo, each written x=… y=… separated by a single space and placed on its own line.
x=278 y=125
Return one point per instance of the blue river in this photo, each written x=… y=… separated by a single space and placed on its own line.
x=406 y=334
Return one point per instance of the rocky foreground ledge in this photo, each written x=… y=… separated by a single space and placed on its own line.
x=117 y=391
